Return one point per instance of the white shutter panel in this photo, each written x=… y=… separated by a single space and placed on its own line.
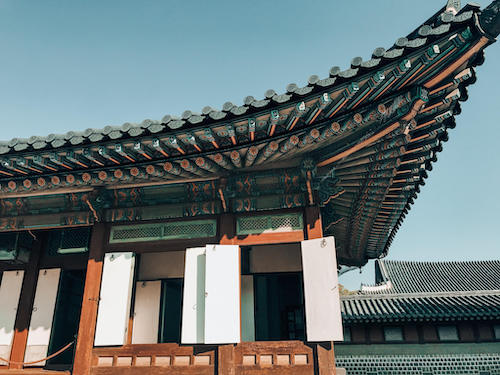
x=114 y=303
x=222 y=297
x=43 y=313
x=322 y=300
x=193 y=308
x=247 y=309
x=10 y=291
x=146 y=312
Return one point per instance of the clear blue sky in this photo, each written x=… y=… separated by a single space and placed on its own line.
x=72 y=65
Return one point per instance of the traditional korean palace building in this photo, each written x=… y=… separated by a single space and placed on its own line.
x=209 y=243
x=424 y=318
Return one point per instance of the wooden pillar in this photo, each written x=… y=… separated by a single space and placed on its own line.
x=325 y=364
x=225 y=360
x=227 y=229
x=25 y=306
x=85 y=342
x=326 y=359
x=313 y=227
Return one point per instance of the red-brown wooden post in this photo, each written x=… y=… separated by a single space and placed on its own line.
x=227 y=229
x=314 y=228
x=85 y=342
x=324 y=352
x=25 y=306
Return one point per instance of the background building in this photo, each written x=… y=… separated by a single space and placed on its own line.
x=424 y=318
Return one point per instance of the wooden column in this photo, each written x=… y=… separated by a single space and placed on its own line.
x=225 y=360
x=85 y=342
x=25 y=306
x=313 y=227
x=227 y=229
x=325 y=364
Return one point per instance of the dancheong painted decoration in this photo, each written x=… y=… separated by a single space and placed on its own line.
x=209 y=243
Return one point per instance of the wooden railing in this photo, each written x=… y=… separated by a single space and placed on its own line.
x=153 y=359
x=277 y=357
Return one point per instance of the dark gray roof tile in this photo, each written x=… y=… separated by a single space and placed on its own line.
x=58 y=142
x=260 y=103
x=283 y=98
x=116 y=134
x=378 y=52
x=394 y=53
x=356 y=62
x=238 y=111
x=270 y=93
x=334 y=71
x=96 y=137
x=77 y=140
x=416 y=43
x=303 y=90
x=175 y=124
x=136 y=131
x=39 y=145
x=348 y=73
x=248 y=100
x=195 y=119
x=291 y=88
x=313 y=79
x=21 y=146
x=217 y=115
x=372 y=63
x=326 y=82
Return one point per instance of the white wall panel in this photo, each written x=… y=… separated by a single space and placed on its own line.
x=322 y=300
x=222 y=297
x=114 y=303
x=247 y=309
x=193 y=308
x=10 y=291
x=42 y=315
x=146 y=312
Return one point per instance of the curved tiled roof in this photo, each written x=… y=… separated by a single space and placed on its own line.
x=421 y=308
x=422 y=291
x=189 y=119
x=436 y=277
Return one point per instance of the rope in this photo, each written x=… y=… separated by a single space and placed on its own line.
x=40 y=360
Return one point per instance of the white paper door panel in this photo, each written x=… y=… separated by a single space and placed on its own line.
x=193 y=307
x=322 y=300
x=247 y=309
x=146 y=312
x=10 y=291
x=114 y=303
x=222 y=294
x=42 y=315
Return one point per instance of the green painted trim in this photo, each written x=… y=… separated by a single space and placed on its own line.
x=270 y=227
x=163 y=229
